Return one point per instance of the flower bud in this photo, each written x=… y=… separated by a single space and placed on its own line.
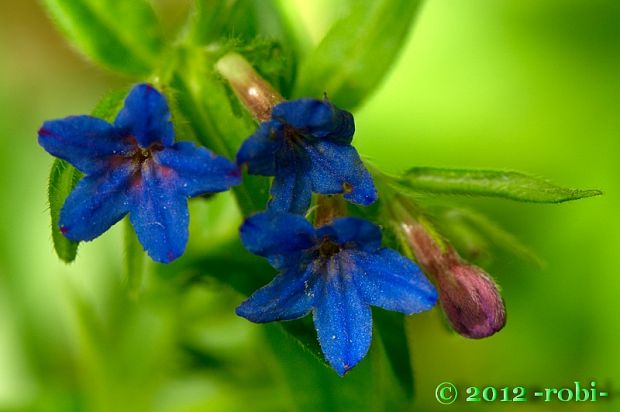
x=255 y=93
x=471 y=301
x=469 y=297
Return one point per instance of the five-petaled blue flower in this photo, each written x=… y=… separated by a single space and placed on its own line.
x=133 y=166
x=306 y=145
x=336 y=271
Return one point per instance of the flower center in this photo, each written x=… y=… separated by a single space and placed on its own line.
x=142 y=155
x=328 y=248
x=291 y=134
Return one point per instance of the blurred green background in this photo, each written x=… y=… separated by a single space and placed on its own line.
x=514 y=84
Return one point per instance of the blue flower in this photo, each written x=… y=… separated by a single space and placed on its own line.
x=133 y=166
x=336 y=271
x=307 y=147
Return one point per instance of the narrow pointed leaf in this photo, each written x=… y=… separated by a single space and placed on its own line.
x=357 y=52
x=119 y=34
x=63 y=178
x=491 y=183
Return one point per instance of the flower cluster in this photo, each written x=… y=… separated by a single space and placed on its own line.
x=335 y=271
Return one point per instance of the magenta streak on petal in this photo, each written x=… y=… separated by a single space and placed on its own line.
x=45 y=132
x=166 y=173
x=136 y=181
x=64 y=230
x=234 y=173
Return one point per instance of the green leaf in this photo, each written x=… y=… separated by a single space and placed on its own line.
x=357 y=52
x=119 y=34
x=491 y=183
x=63 y=179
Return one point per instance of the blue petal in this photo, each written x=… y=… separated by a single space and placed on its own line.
x=96 y=203
x=84 y=141
x=291 y=189
x=288 y=296
x=318 y=118
x=342 y=319
x=338 y=169
x=354 y=231
x=259 y=150
x=199 y=171
x=277 y=236
x=159 y=214
x=146 y=117
x=391 y=281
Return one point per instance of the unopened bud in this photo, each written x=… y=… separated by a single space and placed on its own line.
x=255 y=93
x=469 y=297
x=471 y=301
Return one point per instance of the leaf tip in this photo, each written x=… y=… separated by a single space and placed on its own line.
x=582 y=194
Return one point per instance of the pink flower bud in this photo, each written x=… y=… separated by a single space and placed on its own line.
x=469 y=297
x=471 y=301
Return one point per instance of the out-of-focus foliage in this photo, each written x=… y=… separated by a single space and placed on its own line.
x=356 y=53
x=122 y=35
x=507 y=85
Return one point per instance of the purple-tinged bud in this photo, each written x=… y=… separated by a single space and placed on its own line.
x=471 y=301
x=258 y=96
x=469 y=297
